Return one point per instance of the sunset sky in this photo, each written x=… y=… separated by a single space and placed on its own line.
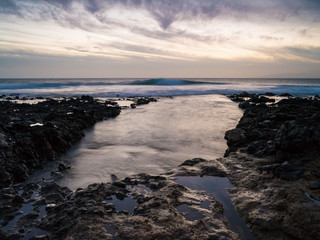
x=159 y=38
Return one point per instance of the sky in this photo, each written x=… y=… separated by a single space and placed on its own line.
x=159 y=38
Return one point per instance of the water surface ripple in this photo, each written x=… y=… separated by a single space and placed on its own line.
x=152 y=138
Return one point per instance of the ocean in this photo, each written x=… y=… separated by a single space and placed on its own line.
x=157 y=137
x=124 y=87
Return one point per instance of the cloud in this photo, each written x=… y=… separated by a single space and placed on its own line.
x=166 y=12
x=182 y=29
x=270 y=38
x=311 y=54
x=28 y=65
x=8 y=7
x=64 y=4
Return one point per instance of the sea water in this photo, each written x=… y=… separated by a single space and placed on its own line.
x=156 y=137
x=152 y=138
x=155 y=87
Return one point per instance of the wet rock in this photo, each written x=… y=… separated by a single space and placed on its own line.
x=141 y=101
x=269 y=94
x=17 y=200
x=40 y=202
x=133 y=105
x=315 y=173
x=5 y=236
x=8 y=218
x=51 y=187
x=56 y=174
x=212 y=171
x=145 y=100
x=50 y=207
x=289 y=171
x=119 y=184
x=156 y=185
x=63 y=166
x=261 y=99
x=7 y=195
x=109 y=206
x=120 y=195
x=269 y=168
x=54 y=198
x=114 y=178
x=277 y=146
x=236 y=137
x=33 y=133
x=192 y=162
x=31 y=186
x=28 y=218
x=244 y=105
x=40 y=237
x=244 y=94
x=288 y=126
x=87 y=215
x=91 y=202
x=315 y=186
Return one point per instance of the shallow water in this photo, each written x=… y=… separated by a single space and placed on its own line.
x=26 y=209
x=190 y=214
x=217 y=188
x=34 y=232
x=152 y=138
x=316 y=202
x=127 y=204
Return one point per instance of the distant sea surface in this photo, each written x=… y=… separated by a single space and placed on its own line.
x=125 y=87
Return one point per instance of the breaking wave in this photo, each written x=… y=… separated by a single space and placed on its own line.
x=127 y=87
x=170 y=82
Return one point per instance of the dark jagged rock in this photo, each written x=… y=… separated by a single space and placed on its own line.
x=283 y=130
x=192 y=162
x=244 y=104
x=277 y=147
x=247 y=100
x=260 y=99
x=144 y=100
x=315 y=186
x=133 y=105
x=289 y=171
x=63 y=166
x=270 y=94
x=33 y=133
x=315 y=173
x=93 y=212
x=272 y=160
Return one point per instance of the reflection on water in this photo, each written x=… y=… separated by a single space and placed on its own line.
x=190 y=214
x=152 y=138
x=127 y=204
x=217 y=188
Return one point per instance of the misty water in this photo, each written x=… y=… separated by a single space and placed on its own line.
x=152 y=138
x=125 y=87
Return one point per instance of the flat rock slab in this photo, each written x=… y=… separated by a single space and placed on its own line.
x=157 y=213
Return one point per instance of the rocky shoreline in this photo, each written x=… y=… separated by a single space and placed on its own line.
x=272 y=160
x=31 y=134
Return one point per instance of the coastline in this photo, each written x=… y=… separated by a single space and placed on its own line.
x=273 y=159
x=34 y=133
x=87 y=214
